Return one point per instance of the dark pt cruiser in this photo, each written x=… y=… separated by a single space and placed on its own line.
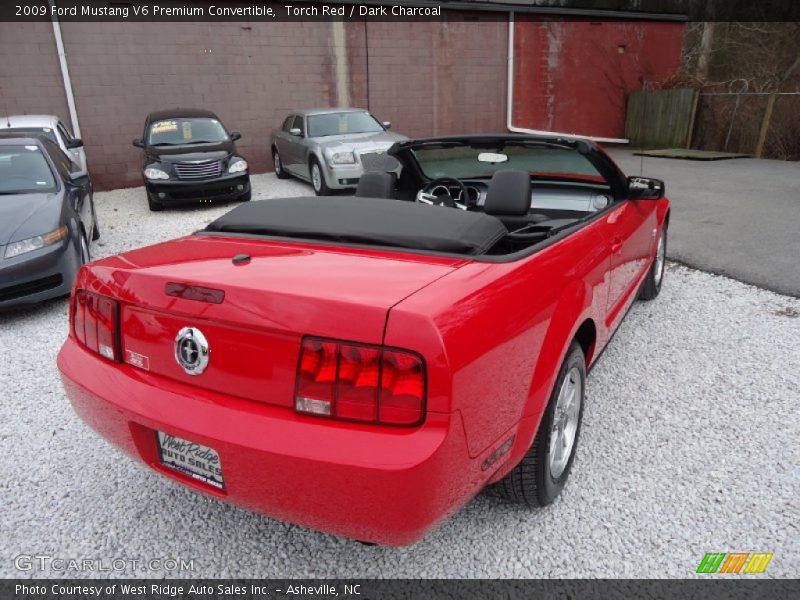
x=190 y=158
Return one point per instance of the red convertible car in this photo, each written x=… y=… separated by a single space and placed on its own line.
x=366 y=365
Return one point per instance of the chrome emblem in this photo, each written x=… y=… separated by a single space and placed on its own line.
x=191 y=350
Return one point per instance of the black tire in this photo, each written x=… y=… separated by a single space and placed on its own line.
x=96 y=227
x=84 y=254
x=154 y=205
x=655 y=276
x=280 y=172
x=531 y=482
x=321 y=188
x=246 y=197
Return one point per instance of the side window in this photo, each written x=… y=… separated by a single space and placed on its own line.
x=64 y=132
x=287 y=124
x=63 y=162
x=298 y=124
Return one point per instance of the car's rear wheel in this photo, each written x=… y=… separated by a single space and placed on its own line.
x=318 y=178
x=539 y=478
x=280 y=172
x=154 y=205
x=655 y=276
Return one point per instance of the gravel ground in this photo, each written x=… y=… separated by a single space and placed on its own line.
x=689 y=445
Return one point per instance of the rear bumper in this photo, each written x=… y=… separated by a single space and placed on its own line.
x=383 y=485
x=223 y=188
x=39 y=275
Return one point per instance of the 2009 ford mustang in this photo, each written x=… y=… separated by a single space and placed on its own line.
x=365 y=365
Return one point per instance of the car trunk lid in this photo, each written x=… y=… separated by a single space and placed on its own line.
x=274 y=294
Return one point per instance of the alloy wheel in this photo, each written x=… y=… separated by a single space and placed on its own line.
x=660 y=259
x=565 y=422
x=316 y=177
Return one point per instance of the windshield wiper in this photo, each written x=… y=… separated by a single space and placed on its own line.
x=165 y=144
x=202 y=142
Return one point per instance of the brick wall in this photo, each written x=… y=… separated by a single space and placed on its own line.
x=428 y=78
x=574 y=76
x=439 y=78
x=30 y=77
x=250 y=74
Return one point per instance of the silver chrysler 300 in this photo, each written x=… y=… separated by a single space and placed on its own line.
x=331 y=148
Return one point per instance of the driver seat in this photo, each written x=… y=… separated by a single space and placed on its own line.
x=375 y=184
x=508 y=198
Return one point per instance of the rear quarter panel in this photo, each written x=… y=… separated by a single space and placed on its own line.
x=495 y=334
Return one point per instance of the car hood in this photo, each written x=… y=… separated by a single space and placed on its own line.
x=193 y=152
x=28 y=215
x=359 y=142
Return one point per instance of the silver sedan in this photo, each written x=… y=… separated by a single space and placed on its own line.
x=331 y=148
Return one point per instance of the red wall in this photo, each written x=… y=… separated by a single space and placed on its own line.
x=573 y=76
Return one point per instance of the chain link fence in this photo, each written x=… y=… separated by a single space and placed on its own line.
x=745 y=122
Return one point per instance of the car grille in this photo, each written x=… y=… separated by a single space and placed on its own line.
x=378 y=161
x=31 y=287
x=198 y=170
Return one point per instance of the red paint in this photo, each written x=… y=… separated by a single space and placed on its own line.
x=492 y=336
x=574 y=76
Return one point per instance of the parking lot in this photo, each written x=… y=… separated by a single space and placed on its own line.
x=689 y=445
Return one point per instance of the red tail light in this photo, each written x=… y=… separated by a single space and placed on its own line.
x=358 y=382
x=95 y=321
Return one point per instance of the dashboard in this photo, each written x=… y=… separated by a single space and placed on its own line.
x=545 y=196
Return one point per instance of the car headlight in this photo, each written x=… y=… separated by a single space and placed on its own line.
x=239 y=166
x=153 y=173
x=343 y=158
x=34 y=243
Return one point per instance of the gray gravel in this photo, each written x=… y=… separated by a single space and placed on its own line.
x=690 y=444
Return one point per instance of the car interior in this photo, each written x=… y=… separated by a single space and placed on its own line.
x=529 y=213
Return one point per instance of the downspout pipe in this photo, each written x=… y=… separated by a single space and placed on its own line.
x=510 y=99
x=62 y=59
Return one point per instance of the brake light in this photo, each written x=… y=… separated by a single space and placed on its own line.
x=95 y=322
x=358 y=382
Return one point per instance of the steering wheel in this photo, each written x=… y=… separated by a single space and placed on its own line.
x=426 y=195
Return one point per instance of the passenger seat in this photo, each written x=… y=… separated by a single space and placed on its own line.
x=509 y=199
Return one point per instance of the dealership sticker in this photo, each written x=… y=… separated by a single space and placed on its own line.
x=162 y=126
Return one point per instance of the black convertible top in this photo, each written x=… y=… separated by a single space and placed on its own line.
x=373 y=221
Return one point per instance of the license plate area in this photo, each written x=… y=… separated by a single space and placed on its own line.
x=191 y=459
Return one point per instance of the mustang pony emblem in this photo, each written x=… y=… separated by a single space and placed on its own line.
x=191 y=350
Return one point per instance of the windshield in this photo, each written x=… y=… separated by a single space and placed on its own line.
x=179 y=132
x=32 y=131
x=342 y=124
x=24 y=169
x=462 y=162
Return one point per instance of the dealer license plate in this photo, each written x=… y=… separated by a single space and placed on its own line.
x=190 y=458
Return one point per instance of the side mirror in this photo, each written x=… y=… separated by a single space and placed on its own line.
x=387 y=125
x=75 y=143
x=235 y=135
x=78 y=177
x=295 y=131
x=645 y=188
x=138 y=143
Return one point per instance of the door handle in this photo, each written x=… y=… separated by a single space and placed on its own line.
x=616 y=245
